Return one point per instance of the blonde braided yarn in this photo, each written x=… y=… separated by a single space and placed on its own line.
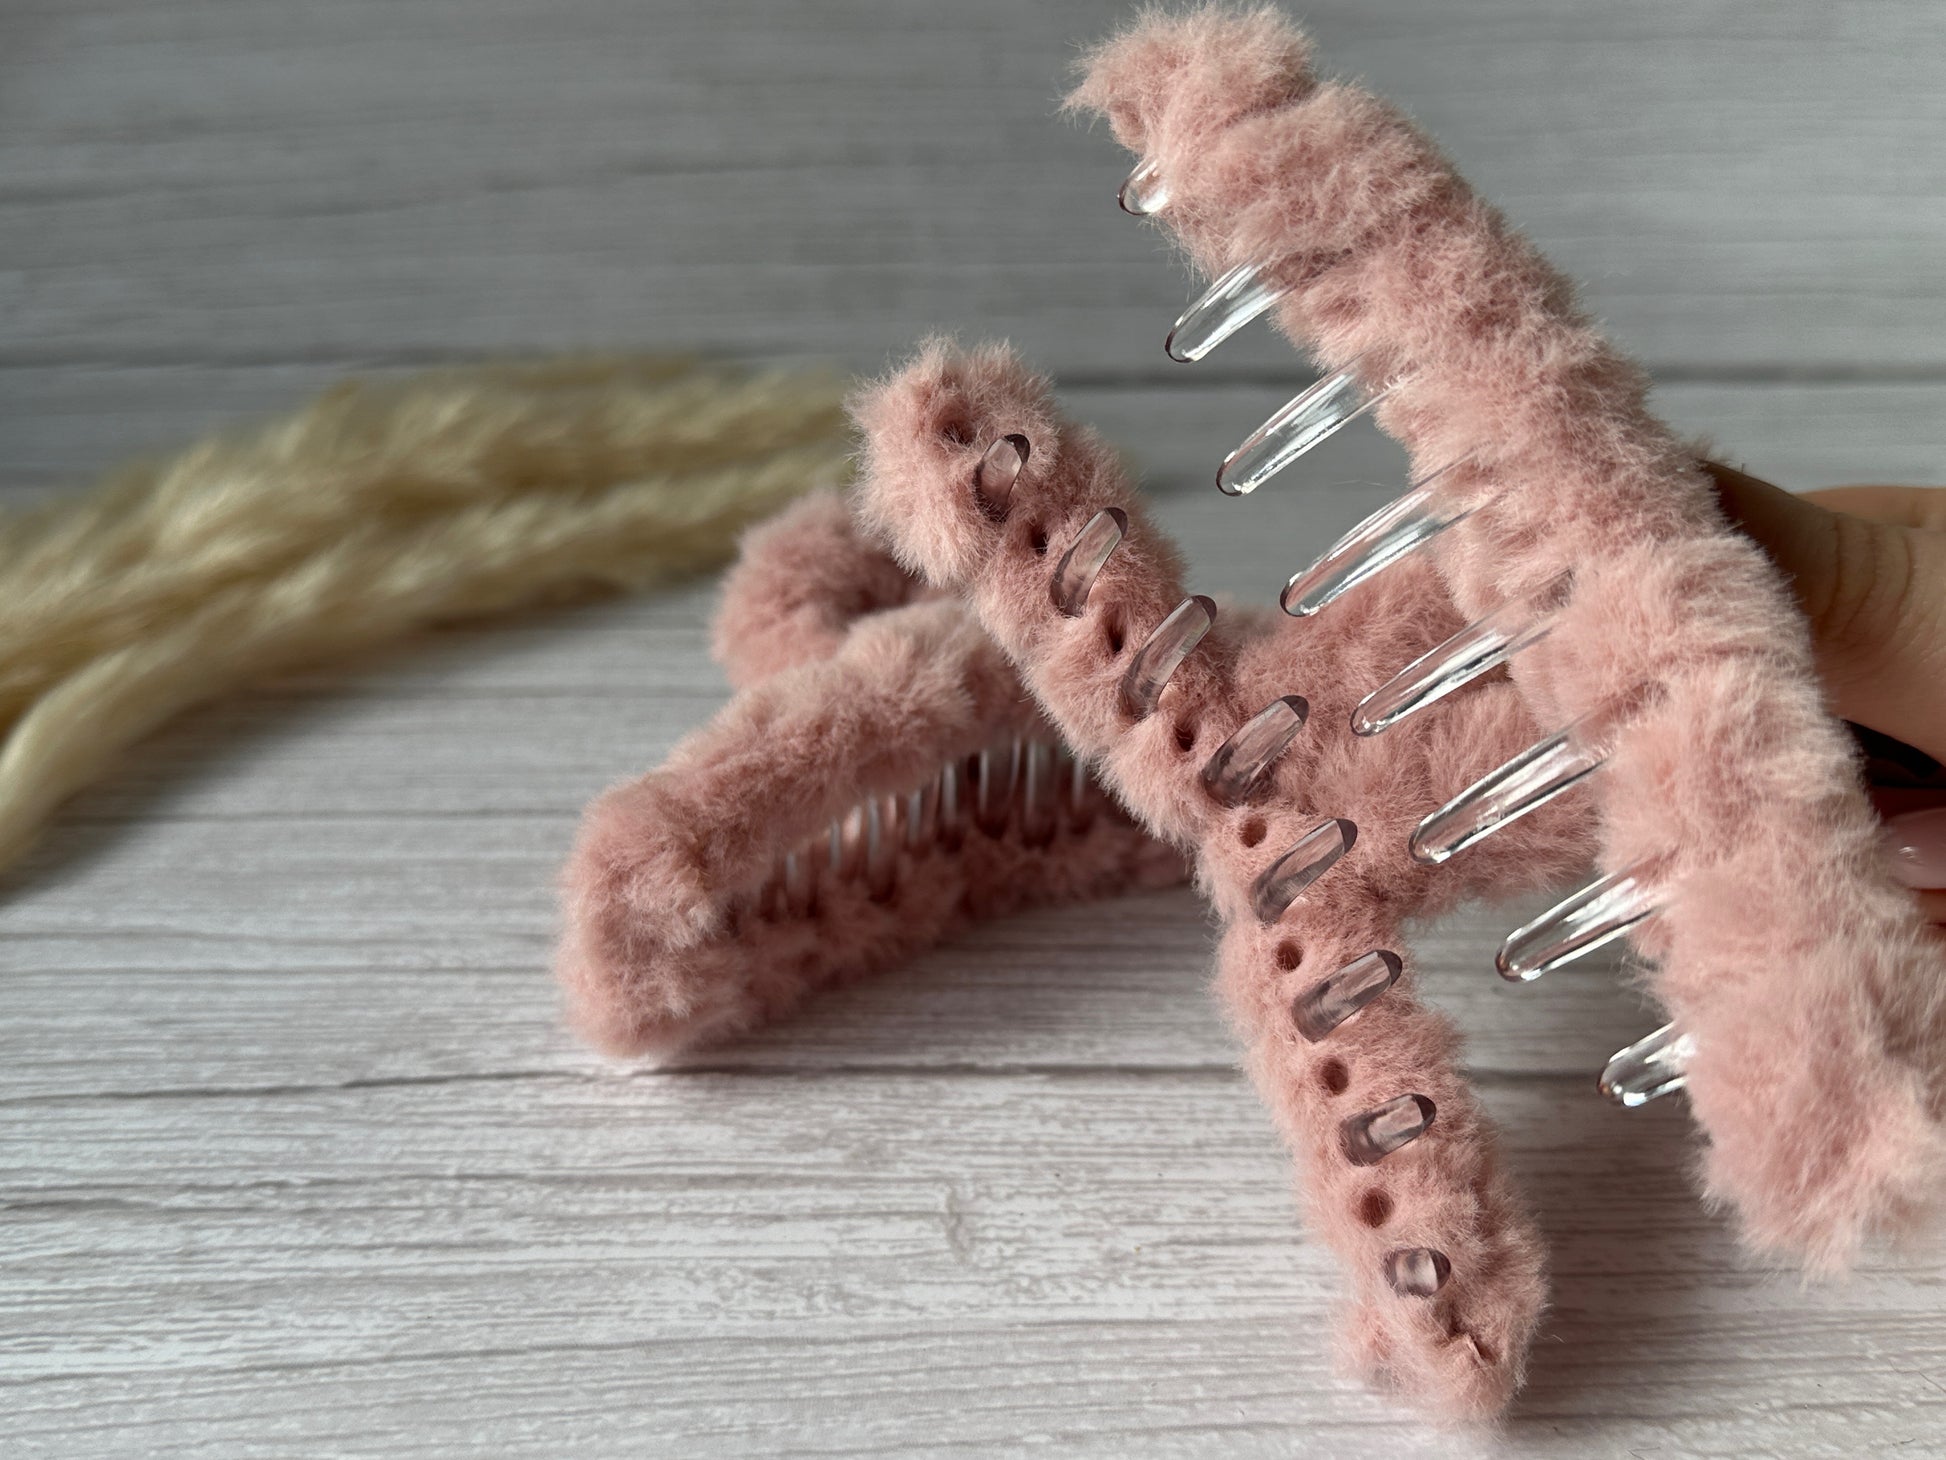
x=375 y=510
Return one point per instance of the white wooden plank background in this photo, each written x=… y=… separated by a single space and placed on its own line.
x=293 y=1157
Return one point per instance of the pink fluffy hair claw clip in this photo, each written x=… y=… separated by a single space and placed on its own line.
x=879 y=780
x=1550 y=650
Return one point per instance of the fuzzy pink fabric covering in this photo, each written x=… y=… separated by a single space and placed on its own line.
x=851 y=692
x=800 y=582
x=924 y=431
x=1816 y=996
x=1815 y=993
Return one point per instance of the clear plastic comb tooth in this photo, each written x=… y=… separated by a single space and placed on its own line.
x=881 y=846
x=950 y=814
x=1229 y=304
x=1298 y=425
x=1394 y=531
x=1596 y=915
x=1239 y=770
x=1037 y=812
x=1479 y=648
x=999 y=469
x=1370 y=1137
x=993 y=790
x=1143 y=191
x=1074 y=577
x=1531 y=779
x=1163 y=653
x=922 y=818
x=1309 y=858
x=1655 y=1065
x=847 y=843
x=1417 y=1272
x=1332 y=1000
x=1075 y=790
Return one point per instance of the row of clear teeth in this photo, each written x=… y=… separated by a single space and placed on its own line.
x=1034 y=787
x=1589 y=918
x=1236 y=774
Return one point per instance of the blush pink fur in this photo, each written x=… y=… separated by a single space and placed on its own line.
x=801 y=580
x=664 y=944
x=1814 y=991
x=925 y=428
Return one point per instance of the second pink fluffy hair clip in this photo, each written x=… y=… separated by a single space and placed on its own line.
x=1550 y=651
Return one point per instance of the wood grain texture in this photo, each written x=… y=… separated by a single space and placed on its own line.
x=294 y=1157
x=1741 y=185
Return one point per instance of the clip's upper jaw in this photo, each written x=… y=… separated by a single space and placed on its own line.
x=1660 y=647
x=1636 y=683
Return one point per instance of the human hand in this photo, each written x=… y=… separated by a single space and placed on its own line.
x=1868 y=565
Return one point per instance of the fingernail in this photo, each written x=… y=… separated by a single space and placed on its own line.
x=1915 y=844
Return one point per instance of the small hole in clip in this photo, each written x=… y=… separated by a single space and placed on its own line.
x=1375 y=1208
x=1185 y=736
x=1335 y=1078
x=1112 y=634
x=1253 y=831
x=957 y=431
x=1037 y=539
x=1289 y=955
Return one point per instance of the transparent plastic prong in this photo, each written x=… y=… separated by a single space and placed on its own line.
x=1037 y=815
x=1332 y=1000
x=951 y=804
x=800 y=881
x=1416 y=1272
x=1298 y=425
x=1239 y=771
x=1080 y=796
x=922 y=818
x=1655 y=1065
x=1163 y=653
x=847 y=842
x=1370 y=1137
x=999 y=469
x=1074 y=578
x=1477 y=649
x=881 y=847
x=1143 y=192
x=1308 y=859
x=993 y=790
x=1531 y=779
x=1596 y=915
x=1389 y=534
x=1222 y=309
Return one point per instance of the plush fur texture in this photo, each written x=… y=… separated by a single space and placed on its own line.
x=1815 y=994
x=853 y=693
x=925 y=428
x=799 y=584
